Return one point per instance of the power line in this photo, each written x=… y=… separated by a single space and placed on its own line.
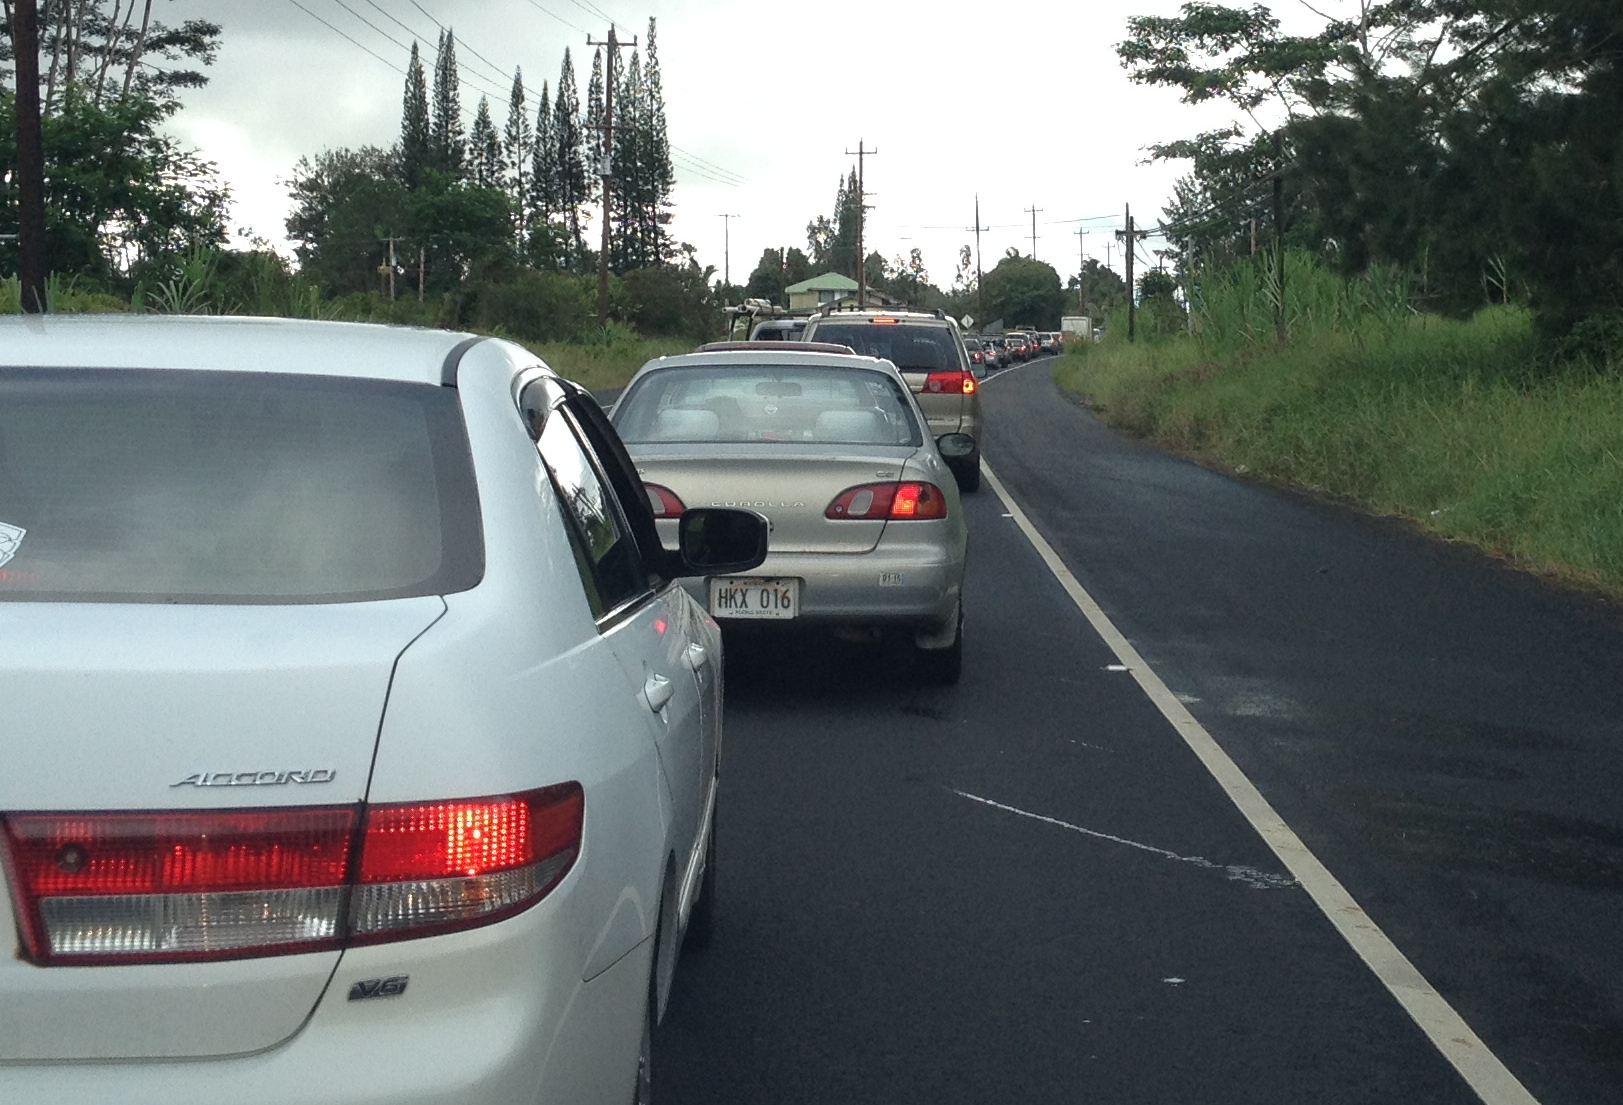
x=559 y=18
x=341 y=34
x=493 y=66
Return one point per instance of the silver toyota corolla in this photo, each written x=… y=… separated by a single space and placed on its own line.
x=867 y=529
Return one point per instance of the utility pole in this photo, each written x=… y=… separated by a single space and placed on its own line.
x=862 y=214
x=614 y=48
x=1082 y=272
x=1129 y=239
x=726 y=252
x=980 y=292
x=1032 y=211
x=33 y=265
x=390 y=267
x=1279 y=233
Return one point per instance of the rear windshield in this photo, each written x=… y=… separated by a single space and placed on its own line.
x=909 y=348
x=228 y=487
x=767 y=403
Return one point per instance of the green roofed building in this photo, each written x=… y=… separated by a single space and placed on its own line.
x=831 y=287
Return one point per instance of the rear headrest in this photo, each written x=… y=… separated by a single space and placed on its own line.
x=865 y=426
x=686 y=424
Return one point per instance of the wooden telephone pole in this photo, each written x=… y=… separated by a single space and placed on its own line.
x=33 y=266
x=614 y=47
x=980 y=292
x=1033 y=211
x=862 y=214
x=1129 y=239
x=1082 y=272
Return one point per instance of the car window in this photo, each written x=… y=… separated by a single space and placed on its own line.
x=767 y=403
x=232 y=488
x=921 y=348
x=605 y=550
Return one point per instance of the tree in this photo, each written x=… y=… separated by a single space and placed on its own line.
x=569 y=168
x=488 y=168
x=117 y=191
x=594 y=127
x=416 y=145
x=518 y=142
x=346 y=204
x=99 y=52
x=545 y=242
x=447 y=145
x=627 y=248
x=1024 y=292
x=659 y=174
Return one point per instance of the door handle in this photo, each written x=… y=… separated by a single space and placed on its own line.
x=658 y=691
x=698 y=656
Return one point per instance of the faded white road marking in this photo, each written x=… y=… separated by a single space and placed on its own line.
x=1482 y=1070
x=1258 y=880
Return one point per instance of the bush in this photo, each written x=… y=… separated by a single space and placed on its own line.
x=538 y=307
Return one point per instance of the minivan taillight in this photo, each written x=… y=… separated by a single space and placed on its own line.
x=951 y=383
x=103 y=888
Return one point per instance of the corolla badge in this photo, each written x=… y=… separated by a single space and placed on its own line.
x=257 y=778
x=11 y=539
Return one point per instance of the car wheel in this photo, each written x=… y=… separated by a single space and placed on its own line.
x=942 y=667
x=702 y=919
x=969 y=479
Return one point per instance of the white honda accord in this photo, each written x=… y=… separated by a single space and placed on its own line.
x=357 y=742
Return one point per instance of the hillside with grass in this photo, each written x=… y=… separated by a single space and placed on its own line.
x=1475 y=429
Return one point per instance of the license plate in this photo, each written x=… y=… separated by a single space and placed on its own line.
x=754 y=598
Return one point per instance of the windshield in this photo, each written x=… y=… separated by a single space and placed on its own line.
x=767 y=403
x=227 y=487
x=909 y=348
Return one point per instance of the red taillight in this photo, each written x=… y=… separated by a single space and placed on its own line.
x=132 y=887
x=663 y=500
x=889 y=502
x=949 y=383
x=96 y=888
x=430 y=867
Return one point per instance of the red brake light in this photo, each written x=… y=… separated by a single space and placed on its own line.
x=883 y=321
x=141 y=887
x=947 y=383
x=663 y=500
x=888 y=501
x=99 y=888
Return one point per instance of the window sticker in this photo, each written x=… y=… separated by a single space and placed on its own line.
x=11 y=539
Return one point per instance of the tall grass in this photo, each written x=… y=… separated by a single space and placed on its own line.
x=1463 y=426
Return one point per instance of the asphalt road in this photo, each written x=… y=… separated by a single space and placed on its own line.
x=1026 y=888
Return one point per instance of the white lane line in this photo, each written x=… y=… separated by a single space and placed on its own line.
x=1482 y=1070
x=1257 y=880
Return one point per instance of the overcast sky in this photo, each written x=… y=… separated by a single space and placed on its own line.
x=1021 y=102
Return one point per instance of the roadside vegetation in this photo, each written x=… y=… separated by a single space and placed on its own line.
x=1476 y=429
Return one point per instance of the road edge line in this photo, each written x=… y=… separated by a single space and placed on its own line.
x=1482 y=1070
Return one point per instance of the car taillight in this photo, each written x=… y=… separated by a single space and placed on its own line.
x=101 y=888
x=435 y=866
x=888 y=501
x=663 y=500
x=950 y=383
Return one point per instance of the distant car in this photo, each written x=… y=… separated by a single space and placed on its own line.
x=977 y=355
x=1017 y=346
x=360 y=740
x=779 y=329
x=867 y=528
x=927 y=349
x=992 y=352
x=1048 y=342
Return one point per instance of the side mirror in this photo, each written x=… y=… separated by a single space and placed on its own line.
x=955 y=446
x=716 y=541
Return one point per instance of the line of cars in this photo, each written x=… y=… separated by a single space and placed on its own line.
x=362 y=685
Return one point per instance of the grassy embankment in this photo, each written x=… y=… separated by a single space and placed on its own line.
x=1465 y=427
x=605 y=360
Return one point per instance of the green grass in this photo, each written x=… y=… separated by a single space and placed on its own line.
x=608 y=364
x=1461 y=426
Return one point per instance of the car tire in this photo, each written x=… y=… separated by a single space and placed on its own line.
x=969 y=479
x=702 y=918
x=942 y=667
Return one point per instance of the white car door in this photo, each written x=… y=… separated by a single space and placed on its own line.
x=644 y=620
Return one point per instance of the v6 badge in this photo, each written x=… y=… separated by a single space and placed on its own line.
x=390 y=987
